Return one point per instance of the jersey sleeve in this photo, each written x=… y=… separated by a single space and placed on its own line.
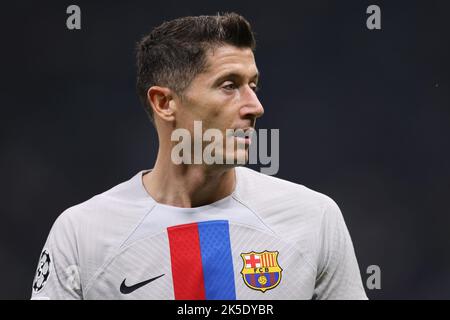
x=338 y=275
x=57 y=274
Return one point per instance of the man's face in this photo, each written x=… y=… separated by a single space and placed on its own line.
x=223 y=97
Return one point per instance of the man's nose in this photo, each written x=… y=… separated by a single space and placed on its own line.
x=252 y=105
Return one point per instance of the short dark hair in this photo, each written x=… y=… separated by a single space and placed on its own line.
x=175 y=52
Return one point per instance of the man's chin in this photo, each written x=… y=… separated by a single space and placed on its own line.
x=230 y=161
x=237 y=160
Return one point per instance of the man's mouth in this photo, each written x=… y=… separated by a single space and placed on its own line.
x=243 y=135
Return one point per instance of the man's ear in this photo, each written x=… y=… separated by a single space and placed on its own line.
x=162 y=103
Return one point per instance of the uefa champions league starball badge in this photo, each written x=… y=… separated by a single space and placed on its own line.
x=43 y=271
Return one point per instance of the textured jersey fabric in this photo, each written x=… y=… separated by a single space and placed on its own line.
x=270 y=239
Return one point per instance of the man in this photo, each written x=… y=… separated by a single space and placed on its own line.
x=196 y=230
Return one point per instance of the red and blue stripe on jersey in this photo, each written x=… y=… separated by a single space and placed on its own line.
x=202 y=264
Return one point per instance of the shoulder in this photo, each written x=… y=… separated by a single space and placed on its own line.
x=259 y=188
x=295 y=213
x=103 y=223
x=288 y=208
x=122 y=203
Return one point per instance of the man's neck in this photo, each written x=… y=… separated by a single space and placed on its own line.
x=188 y=186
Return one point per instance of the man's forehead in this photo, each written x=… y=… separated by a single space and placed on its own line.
x=231 y=59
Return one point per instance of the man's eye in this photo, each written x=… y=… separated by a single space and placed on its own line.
x=230 y=86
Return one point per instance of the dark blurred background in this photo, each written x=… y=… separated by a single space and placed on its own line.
x=364 y=117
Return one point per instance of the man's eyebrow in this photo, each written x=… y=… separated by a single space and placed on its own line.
x=234 y=75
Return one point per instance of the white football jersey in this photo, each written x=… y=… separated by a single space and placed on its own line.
x=270 y=239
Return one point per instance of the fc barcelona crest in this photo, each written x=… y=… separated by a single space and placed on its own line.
x=261 y=270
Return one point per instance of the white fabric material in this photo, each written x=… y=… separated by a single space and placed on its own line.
x=122 y=233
